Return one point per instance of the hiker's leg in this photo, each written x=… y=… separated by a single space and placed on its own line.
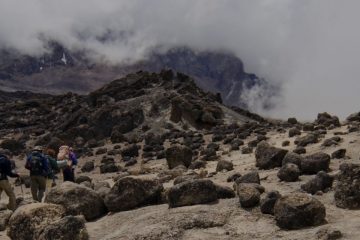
x=34 y=187
x=9 y=191
x=42 y=187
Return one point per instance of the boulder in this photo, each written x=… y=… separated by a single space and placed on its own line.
x=130 y=151
x=12 y=145
x=28 y=221
x=233 y=177
x=82 y=178
x=328 y=234
x=178 y=155
x=88 y=166
x=347 y=191
x=129 y=193
x=100 y=151
x=289 y=173
x=267 y=204
x=109 y=168
x=5 y=215
x=268 y=157
x=293 y=158
x=294 y=132
x=355 y=117
x=300 y=150
x=320 y=182
x=197 y=164
x=77 y=199
x=184 y=178
x=224 y=192
x=224 y=165
x=250 y=177
x=298 y=210
x=67 y=228
x=247 y=150
x=192 y=193
x=292 y=120
x=338 y=154
x=306 y=140
x=315 y=163
x=249 y=196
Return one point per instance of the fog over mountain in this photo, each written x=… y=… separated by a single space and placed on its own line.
x=311 y=47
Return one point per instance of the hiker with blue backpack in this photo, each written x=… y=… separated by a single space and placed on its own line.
x=37 y=164
x=6 y=171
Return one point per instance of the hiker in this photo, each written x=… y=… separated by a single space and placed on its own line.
x=37 y=164
x=50 y=155
x=5 y=171
x=66 y=153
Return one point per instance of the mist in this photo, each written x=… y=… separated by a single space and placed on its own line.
x=309 y=47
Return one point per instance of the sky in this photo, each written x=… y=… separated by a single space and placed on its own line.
x=310 y=47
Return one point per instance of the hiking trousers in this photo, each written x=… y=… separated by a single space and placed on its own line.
x=38 y=186
x=6 y=187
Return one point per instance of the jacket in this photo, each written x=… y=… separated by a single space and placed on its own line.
x=5 y=168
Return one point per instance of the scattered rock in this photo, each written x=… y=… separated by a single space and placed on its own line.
x=224 y=192
x=129 y=193
x=268 y=157
x=328 y=234
x=88 y=166
x=315 y=163
x=289 y=173
x=249 y=196
x=250 y=177
x=298 y=210
x=130 y=151
x=178 y=155
x=101 y=151
x=5 y=215
x=197 y=164
x=292 y=121
x=224 y=165
x=299 y=150
x=320 y=182
x=338 y=154
x=109 y=168
x=293 y=158
x=267 y=204
x=192 y=193
x=306 y=140
x=294 y=132
x=247 y=150
x=233 y=177
x=285 y=143
x=347 y=191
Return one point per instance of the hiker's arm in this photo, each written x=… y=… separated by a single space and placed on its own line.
x=27 y=164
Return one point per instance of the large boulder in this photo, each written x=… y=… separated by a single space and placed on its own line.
x=320 y=182
x=77 y=199
x=268 y=157
x=28 y=221
x=178 y=155
x=315 y=163
x=347 y=191
x=355 y=117
x=192 y=193
x=129 y=193
x=67 y=228
x=327 y=120
x=298 y=210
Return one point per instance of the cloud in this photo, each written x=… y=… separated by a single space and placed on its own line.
x=312 y=47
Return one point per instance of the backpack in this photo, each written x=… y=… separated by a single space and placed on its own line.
x=3 y=160
x=36 y=164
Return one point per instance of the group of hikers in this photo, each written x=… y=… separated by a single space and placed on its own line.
x=43 y=166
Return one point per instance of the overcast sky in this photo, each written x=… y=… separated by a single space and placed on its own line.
x=312 y=46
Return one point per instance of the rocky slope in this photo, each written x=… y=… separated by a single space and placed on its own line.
x=61 y=70
x=162 y=159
